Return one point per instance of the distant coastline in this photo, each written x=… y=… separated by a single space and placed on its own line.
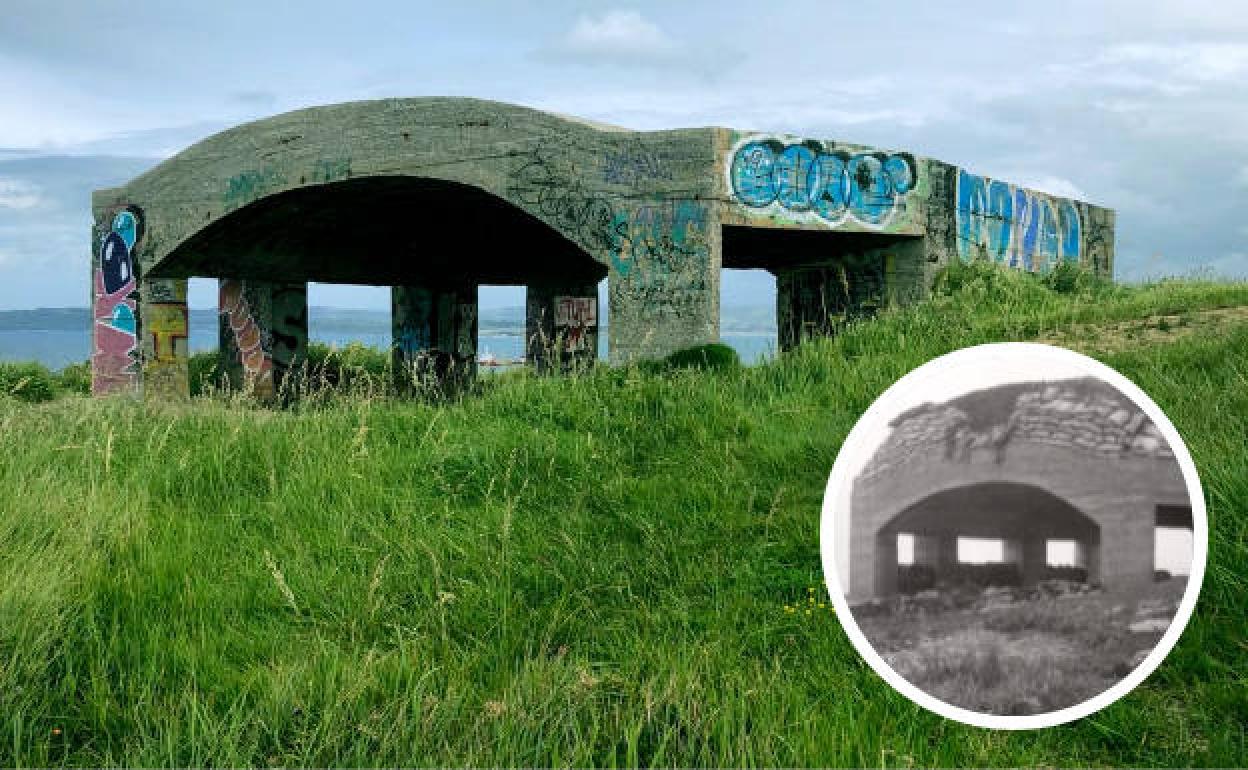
x=57 y=337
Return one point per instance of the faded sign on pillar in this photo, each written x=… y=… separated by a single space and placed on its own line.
x=575 y=319
x=165 y=329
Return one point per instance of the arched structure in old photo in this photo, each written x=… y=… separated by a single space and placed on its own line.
x=1072 y=460
x=435 y=196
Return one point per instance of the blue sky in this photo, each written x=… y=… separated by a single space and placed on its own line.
x=1141 y=106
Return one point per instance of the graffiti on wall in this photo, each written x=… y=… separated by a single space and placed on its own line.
x=666 y=242
x=815 y=180
x=575 y=319
x=245 y=187
x=1014 y=226
x=634 y=165
x=114 y=359
x=588 y=219
x=165 y=326
x=658 y=242
x=289 y=327
x=410 y=308
x=247 y=337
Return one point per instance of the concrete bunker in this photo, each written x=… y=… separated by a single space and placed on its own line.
x=435 y=196
x=1023 y=517
x=362 y=231
x=1029 y=464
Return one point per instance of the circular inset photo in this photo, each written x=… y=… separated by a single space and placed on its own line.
x=1014 y=535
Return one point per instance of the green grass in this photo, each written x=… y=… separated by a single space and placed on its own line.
x=584 y=571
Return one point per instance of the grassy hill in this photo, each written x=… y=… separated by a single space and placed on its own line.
x=576 y=571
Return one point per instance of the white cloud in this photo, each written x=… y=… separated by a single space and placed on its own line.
x=17 y=194
x=618 y=33
x=1203 y=62
x=1053 y=185
x=626 y=38
x=1241 y=178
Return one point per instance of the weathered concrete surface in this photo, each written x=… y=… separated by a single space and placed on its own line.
x=166 y=331
x=561 y=324
x=435 y=331
x=1068 y=460
x=419 y=192
x=263 y=333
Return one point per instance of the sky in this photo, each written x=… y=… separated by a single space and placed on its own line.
x=1139 y=105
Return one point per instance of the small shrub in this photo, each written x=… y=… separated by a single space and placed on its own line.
x=912 y=578
x=205 y=372
x=713 y=356
x=76 y=378
x=1070 y=573
x=342 y=367
x=982 y=575
x=1032 y=616
x=1071 y=278
x=980 y=667
x=29 y=382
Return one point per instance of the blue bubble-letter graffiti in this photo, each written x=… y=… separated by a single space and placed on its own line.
x=1013 y=226
x=753 y=179
x=867 y=187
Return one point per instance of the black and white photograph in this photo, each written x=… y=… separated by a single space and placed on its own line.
x=1013 y=534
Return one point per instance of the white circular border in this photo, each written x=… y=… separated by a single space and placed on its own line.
x=1033 y=353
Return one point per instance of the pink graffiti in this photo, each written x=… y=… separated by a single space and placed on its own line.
x=114 y=362
x=257 y=365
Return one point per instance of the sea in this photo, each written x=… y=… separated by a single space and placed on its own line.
x=59 y=347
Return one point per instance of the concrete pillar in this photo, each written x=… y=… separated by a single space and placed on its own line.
x=561 y=325
x=809 y=303
x=164 y=330
x=1127 y=543
x=1081 y=554
x=947 y=552
x=663 y=279
x=115 y=351
x=1092 y=552
x=1035 y=556
x=885 y=564
x=435 y=332
x=862 y=558
x=812 y=301
x=939 y=551
x=1012 y=551
x=263 y=334
x=927 y=550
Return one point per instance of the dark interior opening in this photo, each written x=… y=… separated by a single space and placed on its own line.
x=381 y=231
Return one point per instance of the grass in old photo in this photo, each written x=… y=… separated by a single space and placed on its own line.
x=1030 y=656
x=585 y=571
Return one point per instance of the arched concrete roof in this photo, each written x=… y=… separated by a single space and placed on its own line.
x=621 y=196
x=579 y=179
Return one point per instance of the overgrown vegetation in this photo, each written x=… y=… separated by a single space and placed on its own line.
x=1026 y=654
x=550 y=571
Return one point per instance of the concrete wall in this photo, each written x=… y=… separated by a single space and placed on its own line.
x=417 y=192
x=1081 y=444
x=790 y=182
